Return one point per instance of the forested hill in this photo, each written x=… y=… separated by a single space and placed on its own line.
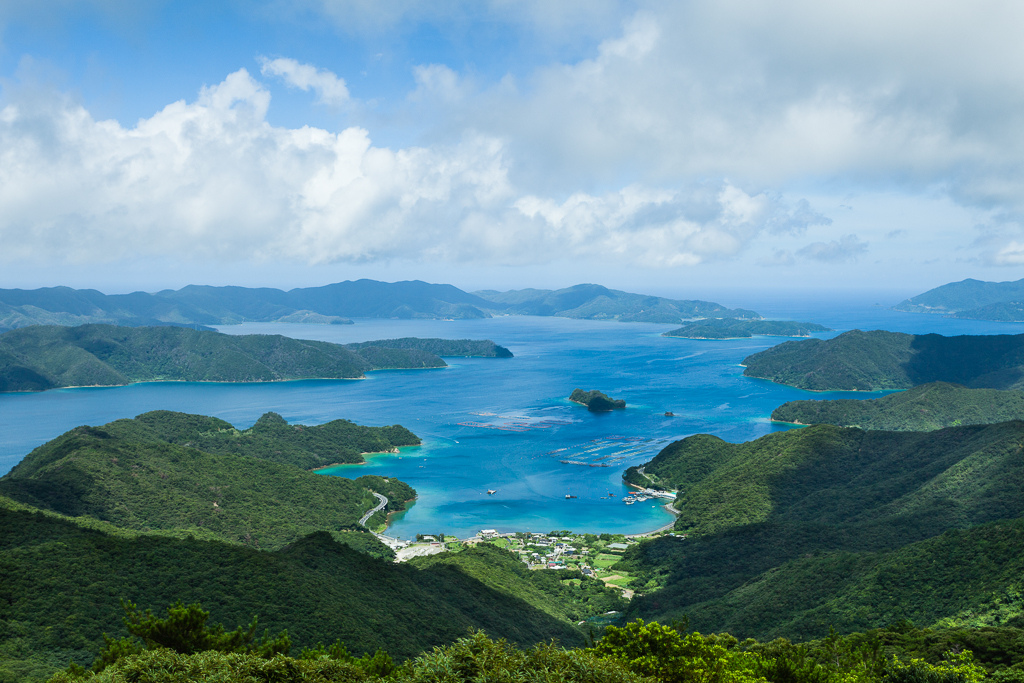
x=828 y=507
x=46 y=357
x=922 y=408
x=973 y=299
x=167 y=471
x=879 y=360
x=337 y=303
x=731 y=328
x=63 y=585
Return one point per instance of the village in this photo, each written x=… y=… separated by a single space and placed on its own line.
x=592 y=555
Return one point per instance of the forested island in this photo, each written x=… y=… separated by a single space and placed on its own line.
x=880 y=360
x=971 y=299
x=799 y=530
x=47 y=357
x=922 y=408
x=596 y=401
x=732 y=328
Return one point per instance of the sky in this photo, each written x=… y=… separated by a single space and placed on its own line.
x=665 y=147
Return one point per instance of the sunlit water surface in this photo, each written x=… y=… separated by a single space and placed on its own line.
x=502 y=424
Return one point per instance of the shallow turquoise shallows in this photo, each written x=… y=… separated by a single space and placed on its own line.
x=500 y=424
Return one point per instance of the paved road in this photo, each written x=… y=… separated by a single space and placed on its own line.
x=380 y=506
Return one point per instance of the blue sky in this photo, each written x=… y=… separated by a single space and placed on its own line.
x=670 y=147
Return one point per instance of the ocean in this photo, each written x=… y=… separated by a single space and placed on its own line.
x=503 y=424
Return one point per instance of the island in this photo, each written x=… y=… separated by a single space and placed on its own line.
x=886 y=361
x=923 y=408
x=596 y=401
x=733 y=328
x=44 y=357
x=971 y=299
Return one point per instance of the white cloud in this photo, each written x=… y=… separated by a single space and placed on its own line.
x=328 y=87
x=213 y=179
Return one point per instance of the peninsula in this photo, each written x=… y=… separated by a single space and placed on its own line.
x=47 y=357
x=880 y=360
x=923 y=408
x=596 y=401
x=732 y=328
x=971 y=299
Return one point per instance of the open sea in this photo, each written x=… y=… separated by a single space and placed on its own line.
x=504 y=424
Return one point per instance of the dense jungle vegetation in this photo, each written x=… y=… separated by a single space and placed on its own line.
x=922 y=408
x=825 y=526
x=879 y=360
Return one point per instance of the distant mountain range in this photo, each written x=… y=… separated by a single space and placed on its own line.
x=197 y=305
x=971 y=299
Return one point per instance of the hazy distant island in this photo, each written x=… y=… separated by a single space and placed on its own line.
x=923 y=408
x=47 y=357
x=880 y=360
x=338 y=303
x=971 y=299
x=596 y=401
x=732 y=328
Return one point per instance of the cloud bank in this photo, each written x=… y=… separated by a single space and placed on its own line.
x=213 y=179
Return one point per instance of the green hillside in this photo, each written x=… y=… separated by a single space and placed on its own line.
x=62 y=586
x=150 y=474
x=45 y=357
x=879 y=360
x=731 y=328
x=749 y=509
x=922 y=408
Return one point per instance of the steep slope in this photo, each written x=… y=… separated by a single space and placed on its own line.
x=879 y=360
x=62 y=586
x=749 y=509
x=125 y=474
x=922 y=408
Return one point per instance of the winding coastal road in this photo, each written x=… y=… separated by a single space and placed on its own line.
x=380 y=506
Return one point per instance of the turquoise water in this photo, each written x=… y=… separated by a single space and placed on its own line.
x=501 y=424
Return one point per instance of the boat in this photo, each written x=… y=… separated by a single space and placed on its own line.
x=491 y=492
x=611 y=495
x=568 y=496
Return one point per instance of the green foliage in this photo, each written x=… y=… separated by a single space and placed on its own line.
x=662 y=653
x=595 y=400
x=879 y=360
x=731 y=328
x=800 y=530
x=479 y=658
x=922 y=408
x=61 y=588
x=548 y=590
x=957 y=668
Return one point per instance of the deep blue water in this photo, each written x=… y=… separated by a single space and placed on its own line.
x=502 y=424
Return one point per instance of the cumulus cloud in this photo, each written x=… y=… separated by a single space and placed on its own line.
x=328 y=87
x=847 y=248
x=213 y=179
